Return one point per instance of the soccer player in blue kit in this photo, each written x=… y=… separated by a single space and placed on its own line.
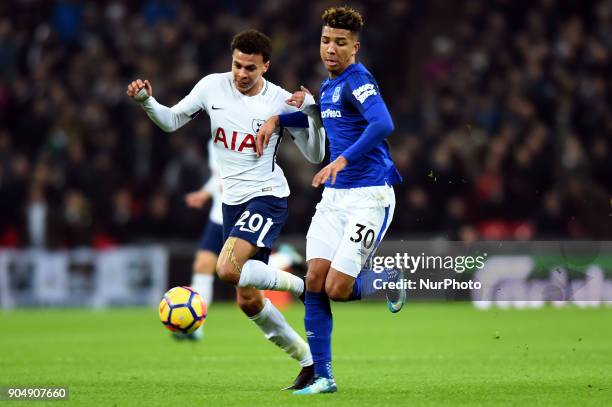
x=358 y=200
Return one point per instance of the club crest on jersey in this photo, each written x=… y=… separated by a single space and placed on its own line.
x=336 y=95
x=257 y=124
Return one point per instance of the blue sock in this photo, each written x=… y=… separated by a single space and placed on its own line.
x=319 y=323
x=364 y=284
x=356 y=294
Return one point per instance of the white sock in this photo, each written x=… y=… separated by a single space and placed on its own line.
x=279 y=332
x=259 y=275
x=203 y=283
x=280 y=260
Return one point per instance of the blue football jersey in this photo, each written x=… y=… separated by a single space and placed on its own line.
x=344 y=99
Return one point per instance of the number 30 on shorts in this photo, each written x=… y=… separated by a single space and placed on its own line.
x=252 y=223
x=363 y=234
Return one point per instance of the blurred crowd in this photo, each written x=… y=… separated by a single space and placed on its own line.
x=513 y=128
x=503 y=129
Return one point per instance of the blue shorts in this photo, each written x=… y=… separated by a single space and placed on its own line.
x=259 y=221
x=212 y=238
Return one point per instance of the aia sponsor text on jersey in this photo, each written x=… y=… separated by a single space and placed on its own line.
x=234 y=143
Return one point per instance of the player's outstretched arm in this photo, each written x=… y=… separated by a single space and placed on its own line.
x=306 y=131
x=305 y=103
x=294 y=119
x=266 y=130
x=166 y=118
x=297 y=98
x=363 y=93
x=197 y=199
x=140 y=90
x=380 y=126
x=310 y=141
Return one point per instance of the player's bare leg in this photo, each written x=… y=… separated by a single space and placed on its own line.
x=250 y=300
x=277 y=330
x=342 y=287
x=339 y=286
x=236 y=266
x=234 y=254
x=317 y=274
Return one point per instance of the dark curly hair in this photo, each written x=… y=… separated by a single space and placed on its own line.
x=253 y=42
x=345 y=18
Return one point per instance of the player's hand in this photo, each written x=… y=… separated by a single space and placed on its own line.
x=265 y=132
x=197 y=199
x=134 y=88
x=330 y=170
x=297 y=98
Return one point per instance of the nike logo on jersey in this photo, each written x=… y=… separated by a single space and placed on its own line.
x=364 y=91
x=216 y=107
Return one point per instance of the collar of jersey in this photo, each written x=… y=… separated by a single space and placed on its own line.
x=263 y=88
x=349 y=69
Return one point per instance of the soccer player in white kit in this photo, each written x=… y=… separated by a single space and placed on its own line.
x=211 y=241
x=255 y=189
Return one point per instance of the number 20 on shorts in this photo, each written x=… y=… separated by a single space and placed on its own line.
x=253 y=223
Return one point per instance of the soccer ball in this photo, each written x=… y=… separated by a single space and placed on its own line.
x=182 y=310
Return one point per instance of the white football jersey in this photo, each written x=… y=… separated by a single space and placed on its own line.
x=235 y=119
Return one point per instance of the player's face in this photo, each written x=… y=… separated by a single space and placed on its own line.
x=247 y=70
x=338 y=49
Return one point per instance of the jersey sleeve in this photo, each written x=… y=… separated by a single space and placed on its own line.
x=362 y=91
x=195 y=101
x=173 y=118
x=282 y=96
x=307 y=132
x=296 y=119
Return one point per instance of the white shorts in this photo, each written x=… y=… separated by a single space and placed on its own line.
x=348 y=226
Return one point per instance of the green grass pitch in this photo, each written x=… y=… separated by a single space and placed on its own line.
x=427 y=355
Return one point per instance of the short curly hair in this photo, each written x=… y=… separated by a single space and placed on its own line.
x=253 y=42
x=344 y=17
